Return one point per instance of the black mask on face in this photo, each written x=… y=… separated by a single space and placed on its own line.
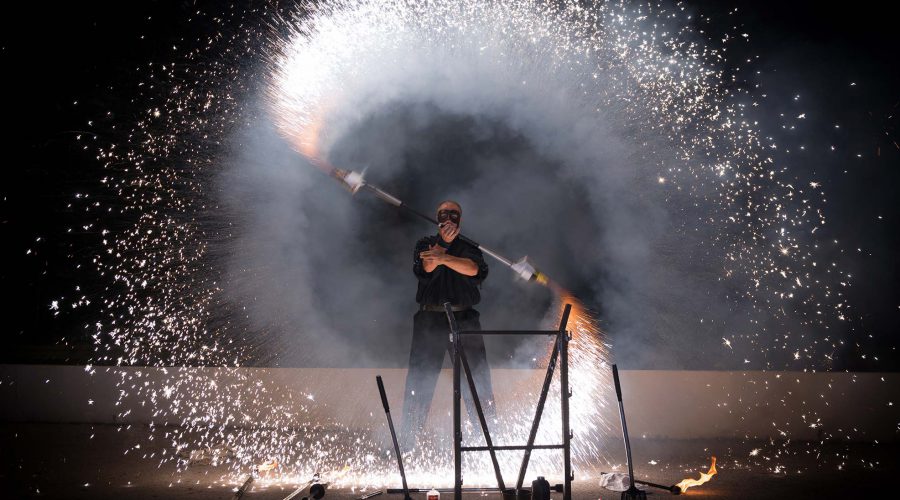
x=449 y=215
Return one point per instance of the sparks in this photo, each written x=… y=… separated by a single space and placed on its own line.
x=604 y=64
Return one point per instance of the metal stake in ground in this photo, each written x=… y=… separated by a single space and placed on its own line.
x=632 y=493
x=299 y=490
x=244 y=487
x=387 y=411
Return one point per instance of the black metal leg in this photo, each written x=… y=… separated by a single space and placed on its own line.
x=548 y=378
x=560 y=353
x=632 y=492
x=565 y=394
x=537 y=415
x=480 y=411
x=457 y=435
x=457 y=430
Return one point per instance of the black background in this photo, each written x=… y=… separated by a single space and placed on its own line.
x=92 y=53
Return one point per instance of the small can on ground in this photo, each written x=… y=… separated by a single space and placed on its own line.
x=540 y=489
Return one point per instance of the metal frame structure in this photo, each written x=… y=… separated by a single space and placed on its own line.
x=460 y=364
x=560 y=353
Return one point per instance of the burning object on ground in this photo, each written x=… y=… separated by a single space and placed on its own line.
x=626 y=482
x=704 y=477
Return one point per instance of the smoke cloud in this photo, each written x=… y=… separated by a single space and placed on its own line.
x=541 y=166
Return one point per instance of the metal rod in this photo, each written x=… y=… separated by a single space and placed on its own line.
x=558 y=488
x=299 y=490
x=442 y=490
x=387 y=412
x=564 y=395
x=457 y=431
x=243 y=489
x=506 y=332
x=484 y=428
x=674 y=489
x=551 y=366
x=492 y=253
x=367 y=496
x=615 y=371
x=355 y=181
x=515 y=448
x=393 y=200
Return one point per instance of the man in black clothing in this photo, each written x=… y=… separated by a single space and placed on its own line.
x=449 y=270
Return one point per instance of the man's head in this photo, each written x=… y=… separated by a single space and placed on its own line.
x=449 y=210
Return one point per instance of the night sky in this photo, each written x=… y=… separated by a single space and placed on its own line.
x=68 y=64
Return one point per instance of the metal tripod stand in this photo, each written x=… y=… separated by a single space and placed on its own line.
x=460 y=363
x=559 y=354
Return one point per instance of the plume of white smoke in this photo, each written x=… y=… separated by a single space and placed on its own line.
x=523 y=112
x=602 y=141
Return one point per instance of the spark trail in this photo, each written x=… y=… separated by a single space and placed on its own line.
x=642 y=80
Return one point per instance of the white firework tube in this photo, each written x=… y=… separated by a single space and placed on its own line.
x=354 y=181
x=384 y=196
x=524 y=269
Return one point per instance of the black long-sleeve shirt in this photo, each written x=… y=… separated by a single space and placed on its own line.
x=444 y=284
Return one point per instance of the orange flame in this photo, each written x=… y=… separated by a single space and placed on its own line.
x=307 y=140
x=305 y=137
x=704 y=477
x=581 y=320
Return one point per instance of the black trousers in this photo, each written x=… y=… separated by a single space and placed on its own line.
x=431 y=339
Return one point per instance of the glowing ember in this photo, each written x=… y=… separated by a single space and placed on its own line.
x=704 y=477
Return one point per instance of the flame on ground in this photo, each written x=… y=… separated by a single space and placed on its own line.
x=704 y=477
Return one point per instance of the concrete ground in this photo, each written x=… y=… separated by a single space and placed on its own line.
x=87 y=461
